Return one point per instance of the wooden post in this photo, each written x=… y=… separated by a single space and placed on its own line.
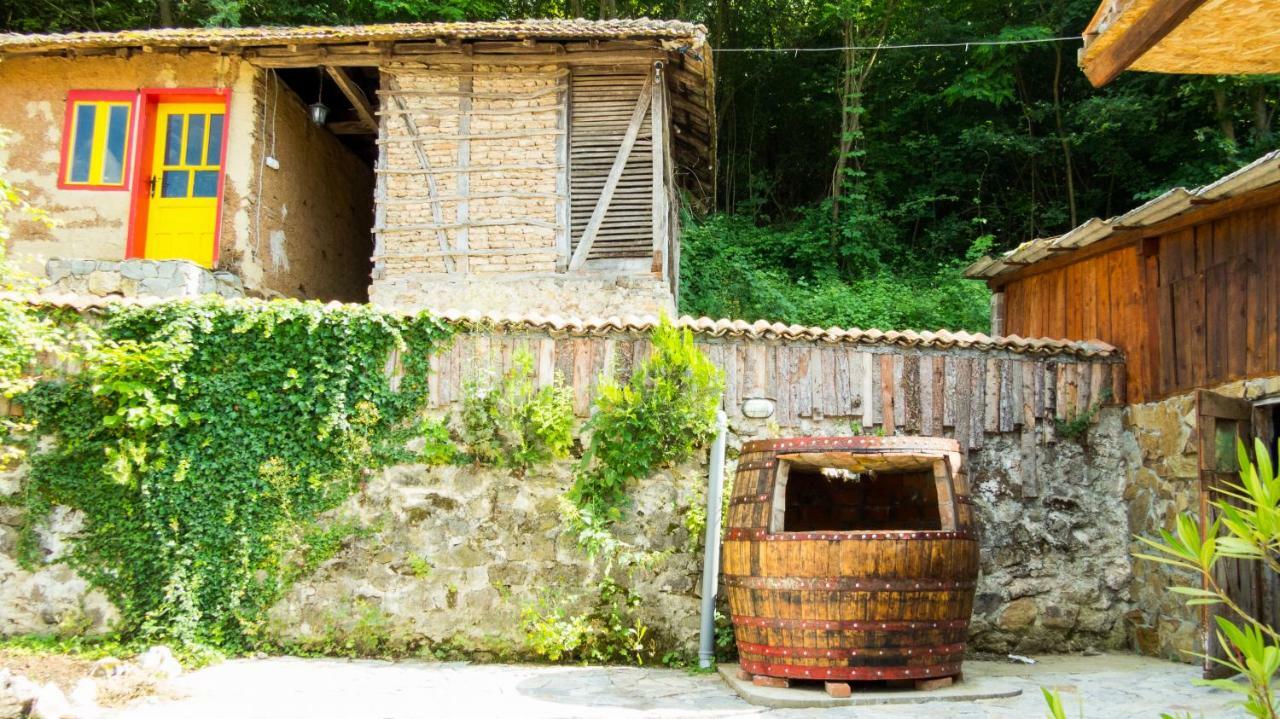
x=615 y=175
x=657 y=121
x=462 y=213
x=564 y=243
x=997 y=314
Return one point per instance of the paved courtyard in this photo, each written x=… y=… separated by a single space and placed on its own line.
x=1104 y=686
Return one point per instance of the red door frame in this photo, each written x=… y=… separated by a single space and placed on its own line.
x=150 y=98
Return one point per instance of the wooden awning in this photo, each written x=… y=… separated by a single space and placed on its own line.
x=1205 y=37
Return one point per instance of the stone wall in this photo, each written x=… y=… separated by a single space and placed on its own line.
x=456 y=552
x=138 y=278
x=1162 y=485
x=563 y=295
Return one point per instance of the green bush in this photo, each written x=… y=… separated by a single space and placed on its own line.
x=610 y=633
x=658 y=417
x=730 y=267
x=202 y=443
x=510 y=422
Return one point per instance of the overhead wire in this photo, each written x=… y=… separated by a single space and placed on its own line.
x=908 y=46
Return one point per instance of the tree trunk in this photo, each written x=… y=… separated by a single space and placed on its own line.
x=1262 y=115
x=1225 y=125
x=166 y=13
x=608 y=9
x=575 y=8
x=1062 y=135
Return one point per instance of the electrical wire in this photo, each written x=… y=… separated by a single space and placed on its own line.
x=912 y=46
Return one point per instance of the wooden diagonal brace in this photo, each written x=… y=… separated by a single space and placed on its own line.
x=615 y=175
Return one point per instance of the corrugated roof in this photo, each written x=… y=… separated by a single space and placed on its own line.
x=1260 y=173
x=258 y=36
x=555 y=324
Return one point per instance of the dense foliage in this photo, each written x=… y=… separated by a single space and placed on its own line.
x=202 y=441
x=508 y=421
x=857 y=180
x=663 y=412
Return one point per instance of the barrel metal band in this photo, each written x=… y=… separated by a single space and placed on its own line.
x=963 y=499
x=750 y=499
x=854 y=584
x=751 y=466
x=743 y=533
x=812 y=652
x=846 y=625
x=849 y=673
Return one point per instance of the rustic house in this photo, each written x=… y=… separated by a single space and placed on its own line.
x=1186 y=285
x=496 y=165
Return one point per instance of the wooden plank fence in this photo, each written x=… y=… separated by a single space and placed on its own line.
x=961 y=393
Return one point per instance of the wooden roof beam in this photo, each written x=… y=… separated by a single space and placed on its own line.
x=1136 y=39
x=356 y=96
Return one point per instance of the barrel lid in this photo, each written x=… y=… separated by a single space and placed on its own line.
x=867 y=444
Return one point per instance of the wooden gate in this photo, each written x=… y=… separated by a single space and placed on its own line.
x=1222 y=421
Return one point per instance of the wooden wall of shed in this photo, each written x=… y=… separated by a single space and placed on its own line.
x=1218 y=304
x=965 y=394
x=1196 y=304
x=1100 y=297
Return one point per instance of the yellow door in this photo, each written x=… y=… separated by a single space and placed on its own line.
x=186 y=165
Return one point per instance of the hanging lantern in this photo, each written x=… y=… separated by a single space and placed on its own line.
x=318 y=111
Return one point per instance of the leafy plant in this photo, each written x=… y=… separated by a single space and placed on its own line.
x=1247 y=529
x=510 y=422
x=609 y=633
x=658 y=417
x=203 y=442
x=1076 y=425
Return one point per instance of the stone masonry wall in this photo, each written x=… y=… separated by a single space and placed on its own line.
x=490 y=135
x=139 y=278
x=1163 y=484
x=457 y=552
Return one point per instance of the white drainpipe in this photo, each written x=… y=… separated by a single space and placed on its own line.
x=711 y=549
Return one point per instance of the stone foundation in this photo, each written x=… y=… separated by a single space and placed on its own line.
x=139 y=278
x=1162 y=485
x=564 y=295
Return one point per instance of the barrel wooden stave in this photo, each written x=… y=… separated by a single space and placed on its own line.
x=849 y=605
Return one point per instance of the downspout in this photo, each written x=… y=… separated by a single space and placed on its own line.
x=711 y=548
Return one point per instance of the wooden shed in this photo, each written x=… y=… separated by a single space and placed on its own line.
x=1185 y=284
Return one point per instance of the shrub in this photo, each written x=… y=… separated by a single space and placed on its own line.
x=512 y=423
x=609 y=633
x=658 y=417
x=202 y=443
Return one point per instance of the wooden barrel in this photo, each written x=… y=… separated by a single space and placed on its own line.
x=851 y=558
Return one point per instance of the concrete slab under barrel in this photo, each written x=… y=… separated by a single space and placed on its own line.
x=976 y=686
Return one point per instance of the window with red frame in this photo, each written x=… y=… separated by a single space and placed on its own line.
x=97 y=140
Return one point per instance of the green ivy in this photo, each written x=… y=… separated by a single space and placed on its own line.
x=663 y=413
x=202 y=442
x=510 y=422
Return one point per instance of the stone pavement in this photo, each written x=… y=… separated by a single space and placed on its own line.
x=1105 y=687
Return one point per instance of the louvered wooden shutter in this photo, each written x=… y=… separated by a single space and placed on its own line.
x=601 y=109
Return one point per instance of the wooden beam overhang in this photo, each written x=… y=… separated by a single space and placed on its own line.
x=1131 y=42
x=356 y=96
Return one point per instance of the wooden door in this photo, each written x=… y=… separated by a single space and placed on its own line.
x=185 y=183
x=1222 y=421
